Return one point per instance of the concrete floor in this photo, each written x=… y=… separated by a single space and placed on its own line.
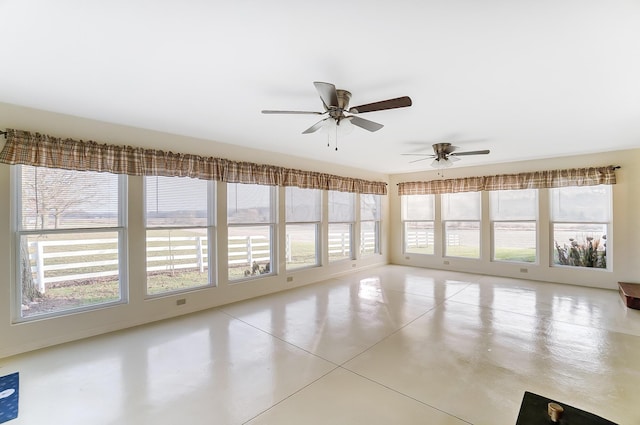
x=391 y=345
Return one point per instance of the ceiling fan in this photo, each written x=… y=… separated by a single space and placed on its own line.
x=336 y=107
x=444 y=155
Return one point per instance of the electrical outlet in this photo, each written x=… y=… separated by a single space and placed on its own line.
x=353 y=265
x=289 y=278
x=407 y=258
x=181 y=301
x=445 y=262
x=524 y=270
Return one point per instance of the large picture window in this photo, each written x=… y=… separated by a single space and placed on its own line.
x=418 y=223
x=461 y=214
x=180 y=231
x=303 y=216
x=580 y=220
x=251 y=224
x=513 y=225
x=369 y=224
x=71 y=240
x=342 y=211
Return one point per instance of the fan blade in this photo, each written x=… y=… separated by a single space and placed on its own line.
x=366 y=124
x=483 y=152
x=267 y=111
x=418 y=160
x=399 y=102
x=327 y=92
x=317 y=126
x=418 y=154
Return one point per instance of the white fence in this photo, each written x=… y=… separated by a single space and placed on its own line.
x=163 y=254
x=244 y=250
x=339 y=244
x=418 y=239
x=48 y=259
x=423 y=239
x=368 y=242
x=181 y=248
x=39 y=256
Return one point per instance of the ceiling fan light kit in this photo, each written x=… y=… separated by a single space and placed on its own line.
x=442 y=163
x=340 y=118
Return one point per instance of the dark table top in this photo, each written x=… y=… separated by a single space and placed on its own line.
x=630 y=289
x=533 y=411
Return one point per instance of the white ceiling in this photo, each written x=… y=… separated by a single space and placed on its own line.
x=526 y=79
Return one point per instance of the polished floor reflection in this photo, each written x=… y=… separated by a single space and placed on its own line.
x=390 y=345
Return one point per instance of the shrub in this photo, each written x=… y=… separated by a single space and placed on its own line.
x=590 y=253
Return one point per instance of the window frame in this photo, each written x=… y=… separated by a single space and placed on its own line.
x=404 y=211
x=121 y=229
x=317 y=230
x=350 y=225
x=211 y=231
x=446 y=239
x=272 y=231
x=535 y=222
x=607 y=223
x=377 y=225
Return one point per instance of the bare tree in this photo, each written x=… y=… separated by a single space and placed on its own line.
x=29 y=289
x=46 y=193
x=50 y=193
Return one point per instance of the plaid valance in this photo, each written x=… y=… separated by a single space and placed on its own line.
x=536 y=180
x=40 y=150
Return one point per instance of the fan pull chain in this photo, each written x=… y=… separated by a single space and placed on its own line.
x=335 y=139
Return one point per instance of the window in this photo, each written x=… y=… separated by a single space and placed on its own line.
x=71 y=251
x=369 y=224
x=179 y=222
x=303 y=215
x=251 y=224
x=513 y=224
x=418 y=223
x=341 y=220
x=461 y=219
x=580 y=217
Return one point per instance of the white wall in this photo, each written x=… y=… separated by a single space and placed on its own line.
x=21 y=337
x=623 y=247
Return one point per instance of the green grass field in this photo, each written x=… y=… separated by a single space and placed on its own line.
x=526 y=255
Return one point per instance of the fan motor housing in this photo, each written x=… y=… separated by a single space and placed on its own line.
x=344 y=97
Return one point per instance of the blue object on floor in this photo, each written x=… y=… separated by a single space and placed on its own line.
x=9 y=397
